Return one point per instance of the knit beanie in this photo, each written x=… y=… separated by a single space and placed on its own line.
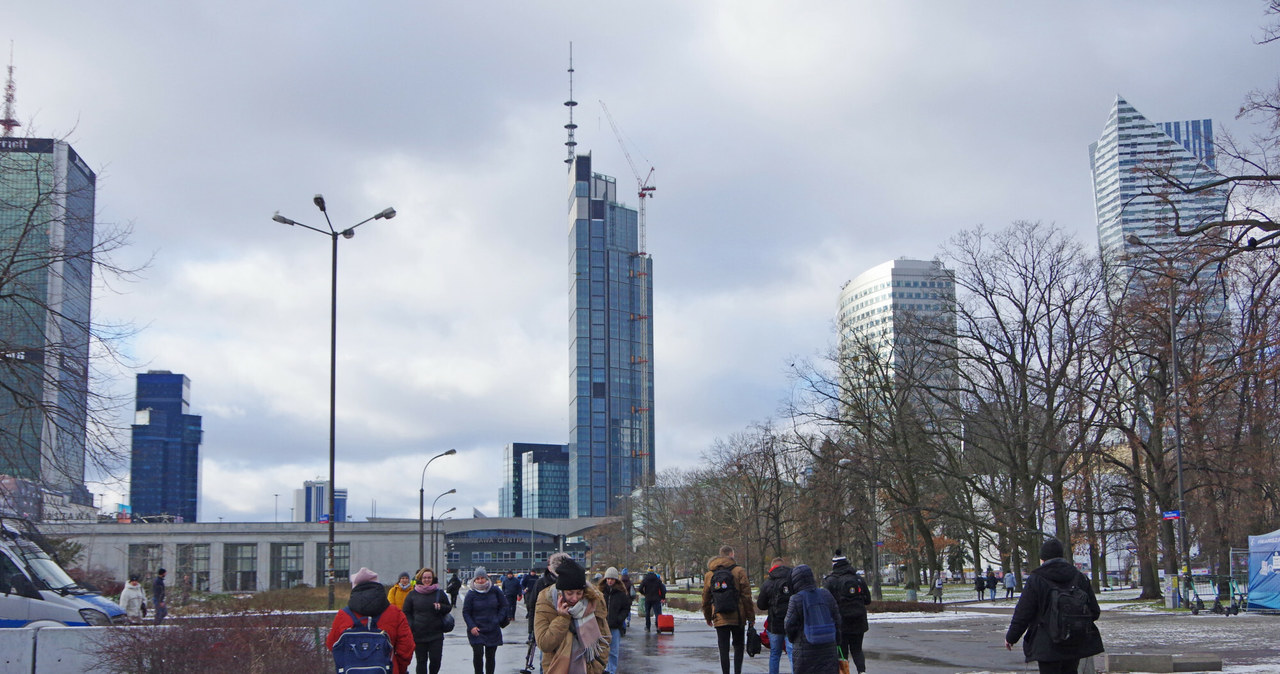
x=612 y=572
x=480 y=572
x=364 y=575
x=570 y=576
x=1051 y=549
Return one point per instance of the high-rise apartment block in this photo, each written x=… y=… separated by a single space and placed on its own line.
x=1130 y=200
x=47 y=197
x=311 y=503
x=610 y=347
x=536 y=481
x=165 y=470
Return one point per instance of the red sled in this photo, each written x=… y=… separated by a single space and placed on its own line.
x=666 y=623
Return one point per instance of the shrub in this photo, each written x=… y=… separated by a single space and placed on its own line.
x=97 y=579
x=254 y=644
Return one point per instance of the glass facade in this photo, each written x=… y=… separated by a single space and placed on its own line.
x=610 y=346
x=145 y=560
x=240 y=567
x=536 y=481
x=47 y=201
x=341 y=561
x=165 y=470
x=193 y=566
x=286 y=565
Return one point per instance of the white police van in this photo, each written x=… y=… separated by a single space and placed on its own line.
x=36 y=592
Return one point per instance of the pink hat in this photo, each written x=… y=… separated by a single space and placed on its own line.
x=364 y=575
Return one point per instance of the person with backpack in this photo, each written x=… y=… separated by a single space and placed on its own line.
x=727 y=606
x=571 y=623
x=617 y=607
x=774 y=598
x=852 y=597
x=812 y=625
x=370 y=621
x=485 y=611
x=427 y=609
x=1056 y=612
x=654 y=592
x=453 y=587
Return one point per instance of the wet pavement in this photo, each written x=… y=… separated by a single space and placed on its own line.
x=960 y=640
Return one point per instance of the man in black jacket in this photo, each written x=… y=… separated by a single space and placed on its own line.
x=774 y=598
x=654 y=591
x=852 y=597
x=1031 y=615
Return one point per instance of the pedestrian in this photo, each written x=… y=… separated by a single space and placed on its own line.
x=811 y=657
x=1031 y=615
x=485 y=612
x=617 y=607
x=979 y=583
x=369 y=600
x=425 y=608
x=530 y=588
x=655 y=592
x=453 y=587
x=631 y=591
x=511 y=592
x=157 y=597
x=774 y=598
x=400 y=590
x=852 y=597
x=727 y=605
x=133 y=600
x=547 y=580
x=992 y=583
x=571 y=623
x=937 y=589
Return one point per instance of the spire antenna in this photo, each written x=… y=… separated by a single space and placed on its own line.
x=10 y=95
x=571 y=104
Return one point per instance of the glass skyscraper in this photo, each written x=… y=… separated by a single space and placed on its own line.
x=165 y=471
x=47 y=197
x=610 y=346
x=536 y=481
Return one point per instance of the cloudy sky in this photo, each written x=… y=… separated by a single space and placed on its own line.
x=795 y=144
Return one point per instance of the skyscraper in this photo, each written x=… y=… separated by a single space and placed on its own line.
x=1132 y=202
x=311 y=503
x=610 y=347
x=536 y=481
x=165 y=471
x=47 y=196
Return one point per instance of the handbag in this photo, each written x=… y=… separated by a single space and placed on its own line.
x=753 y=641
x=844 y=661
x=447 y=622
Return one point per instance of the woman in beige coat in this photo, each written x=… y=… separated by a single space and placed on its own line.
x=570 y=624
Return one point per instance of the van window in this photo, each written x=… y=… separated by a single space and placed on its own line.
x=7 y=570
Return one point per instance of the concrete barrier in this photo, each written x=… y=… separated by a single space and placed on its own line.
x=66 y=650
x=17 y=650
x=1139 y=662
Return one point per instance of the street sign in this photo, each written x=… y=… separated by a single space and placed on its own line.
x=879 y=544
x=1172 y=514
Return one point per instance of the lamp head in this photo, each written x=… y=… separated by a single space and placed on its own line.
x=319 y=201
x=452 y=491
x=386 y=214
x=450 y=452
x=1134 y=239
x=281 y=219
x=348 y=233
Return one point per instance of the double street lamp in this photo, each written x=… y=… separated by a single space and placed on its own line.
x=385 y=214
x=422 y=487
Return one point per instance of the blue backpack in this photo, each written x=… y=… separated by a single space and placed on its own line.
x=819 y=628
x=363 y=648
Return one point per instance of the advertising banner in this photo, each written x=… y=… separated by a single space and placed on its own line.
x=1264 y=571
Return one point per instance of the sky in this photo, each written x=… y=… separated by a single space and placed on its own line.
x=794 y=145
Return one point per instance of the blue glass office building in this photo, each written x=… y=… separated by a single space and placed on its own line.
x=47 y=198
x=535 y=481
x=165 y=472
x=610 y=346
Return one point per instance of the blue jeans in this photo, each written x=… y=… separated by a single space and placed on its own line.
x=651 y=608
x=993 y=593
x=777 y=644
x=615 y=651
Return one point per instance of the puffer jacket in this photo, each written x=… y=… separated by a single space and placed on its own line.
x=779 y=577
x=553 y=633
x=617 y=603
x=1030 y=614
x=843 y=575
x=485 y=608
x=746 y=613
x=370 y=599
x=396 y=595
x=423 y=616
x=810 y=658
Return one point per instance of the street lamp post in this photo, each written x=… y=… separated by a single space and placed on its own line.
x=387 y=214
x=433 y=527
x=422 y=486
x=1177 y=402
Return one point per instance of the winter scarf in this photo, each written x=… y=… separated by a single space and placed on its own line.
x=426 y=589
x=477 y=586
x=585 y=631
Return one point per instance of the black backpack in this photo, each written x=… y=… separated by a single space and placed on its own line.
x=782 y=595
x=851 y=595
x=1068 y=619
x=724 y=592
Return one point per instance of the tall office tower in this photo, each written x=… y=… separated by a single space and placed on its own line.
x=1134 y=203
x=165 y=472
x=610 y=362
x=47 y=197
x=311 y=503
x=536 y=481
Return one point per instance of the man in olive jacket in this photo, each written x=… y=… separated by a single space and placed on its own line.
x=731 y=625
x=1030 y=615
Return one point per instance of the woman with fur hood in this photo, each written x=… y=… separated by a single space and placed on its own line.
x=571 y=624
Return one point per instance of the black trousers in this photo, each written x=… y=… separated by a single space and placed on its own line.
x=851 y=642
x=736 y=633
x=429 y=651
x=484 y=658
x=1059 y=666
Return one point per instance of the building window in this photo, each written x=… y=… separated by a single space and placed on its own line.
x=144 y=560
x=240 y=567
x=341 y=562
x=193 y=566
x=286 y=565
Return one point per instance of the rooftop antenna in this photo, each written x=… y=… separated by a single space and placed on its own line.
x=571 y=104
x=10 y=94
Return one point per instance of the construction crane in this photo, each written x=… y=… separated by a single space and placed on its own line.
x=641 y=326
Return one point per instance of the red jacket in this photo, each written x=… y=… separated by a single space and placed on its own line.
x=393 y=622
